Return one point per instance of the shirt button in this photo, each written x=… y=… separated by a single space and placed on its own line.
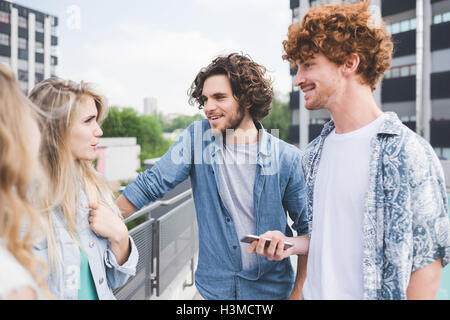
x=228 y=219
x=91 y=244
x=234 y=247
x=100 y=281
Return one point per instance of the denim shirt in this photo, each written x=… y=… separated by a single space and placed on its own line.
x=406 y=224
x=106 y=273
x=278 y=188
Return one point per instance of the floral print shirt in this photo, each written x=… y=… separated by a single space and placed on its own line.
x=406 y=223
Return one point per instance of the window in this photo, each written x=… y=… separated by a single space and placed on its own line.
x=401 y=71
x=22 y=75
x=437 y=19
x=4 y=17
x=396 y=28
x=387 y=74
x=39 y=26
x=39 y=68
x=404 y=71
x=23 y=54
x=441 y=18
x=315 y=3
x=402 y=26
x=395 y=72
x=446 y=17
x=4 y=39
x=23 y=43
x=38 y=77
x=39 y=47
x=23 y=22
x=389 y=28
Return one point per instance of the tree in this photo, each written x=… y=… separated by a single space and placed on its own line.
x=147 y=130
x=181 y=122
x=279 y=118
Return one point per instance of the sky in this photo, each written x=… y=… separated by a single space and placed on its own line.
x=132 y=49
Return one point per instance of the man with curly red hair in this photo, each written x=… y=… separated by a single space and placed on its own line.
x=376 y=199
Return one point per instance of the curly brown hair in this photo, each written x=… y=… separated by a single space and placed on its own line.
x=339 y=30
x=247 y=79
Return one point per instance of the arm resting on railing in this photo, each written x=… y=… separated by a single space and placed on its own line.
x=125 y=206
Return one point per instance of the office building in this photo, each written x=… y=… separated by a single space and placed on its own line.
x=416 y=87
x=28 y=43
x=150 y=106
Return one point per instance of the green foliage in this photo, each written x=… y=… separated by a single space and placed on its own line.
x=147 y=130
x=181 y=122
x=279 y=118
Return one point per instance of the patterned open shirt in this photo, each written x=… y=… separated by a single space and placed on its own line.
x=406 y=224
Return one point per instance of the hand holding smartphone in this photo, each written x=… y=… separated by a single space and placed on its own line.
x=250 y=238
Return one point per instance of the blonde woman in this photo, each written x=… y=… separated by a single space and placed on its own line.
x=88 y=247
x=20 y=270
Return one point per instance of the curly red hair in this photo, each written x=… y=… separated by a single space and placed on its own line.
x=338 y=30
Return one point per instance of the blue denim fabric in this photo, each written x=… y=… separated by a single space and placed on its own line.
x=279 y=188
x=107 y=274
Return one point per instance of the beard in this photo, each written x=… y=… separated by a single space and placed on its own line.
x=231 y=124
x=318 y=100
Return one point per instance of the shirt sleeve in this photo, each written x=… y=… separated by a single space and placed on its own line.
x=173 y=168
x=431 y=224
x=294 y=198
x=117 y=274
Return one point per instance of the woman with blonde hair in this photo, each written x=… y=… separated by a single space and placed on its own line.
x=88 y=247
x=20 y=271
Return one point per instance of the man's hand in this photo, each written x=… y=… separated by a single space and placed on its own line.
x=276 y=251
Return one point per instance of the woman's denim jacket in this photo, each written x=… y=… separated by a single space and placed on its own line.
x=106 y=273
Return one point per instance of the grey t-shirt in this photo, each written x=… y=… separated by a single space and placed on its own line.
x=237 y=170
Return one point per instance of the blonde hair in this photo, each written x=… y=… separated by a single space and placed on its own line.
x=60 y=99
x=20 y=178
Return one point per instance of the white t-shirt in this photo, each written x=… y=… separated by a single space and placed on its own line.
x=13 y=277
x=334 y=269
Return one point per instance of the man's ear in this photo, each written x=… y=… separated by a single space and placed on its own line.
x=351 y=63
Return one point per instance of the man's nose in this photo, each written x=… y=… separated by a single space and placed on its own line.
x=209 y=106
x=299 y=78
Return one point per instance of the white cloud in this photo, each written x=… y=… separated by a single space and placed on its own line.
x=143 y=62
x=241 y=4
x=137 y=59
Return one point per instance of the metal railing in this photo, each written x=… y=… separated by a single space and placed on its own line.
x=165 y=244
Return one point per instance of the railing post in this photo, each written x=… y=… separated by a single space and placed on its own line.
x=149 y=261
x=155 y=279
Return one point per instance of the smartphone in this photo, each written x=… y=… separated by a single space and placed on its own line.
x=250 y=238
